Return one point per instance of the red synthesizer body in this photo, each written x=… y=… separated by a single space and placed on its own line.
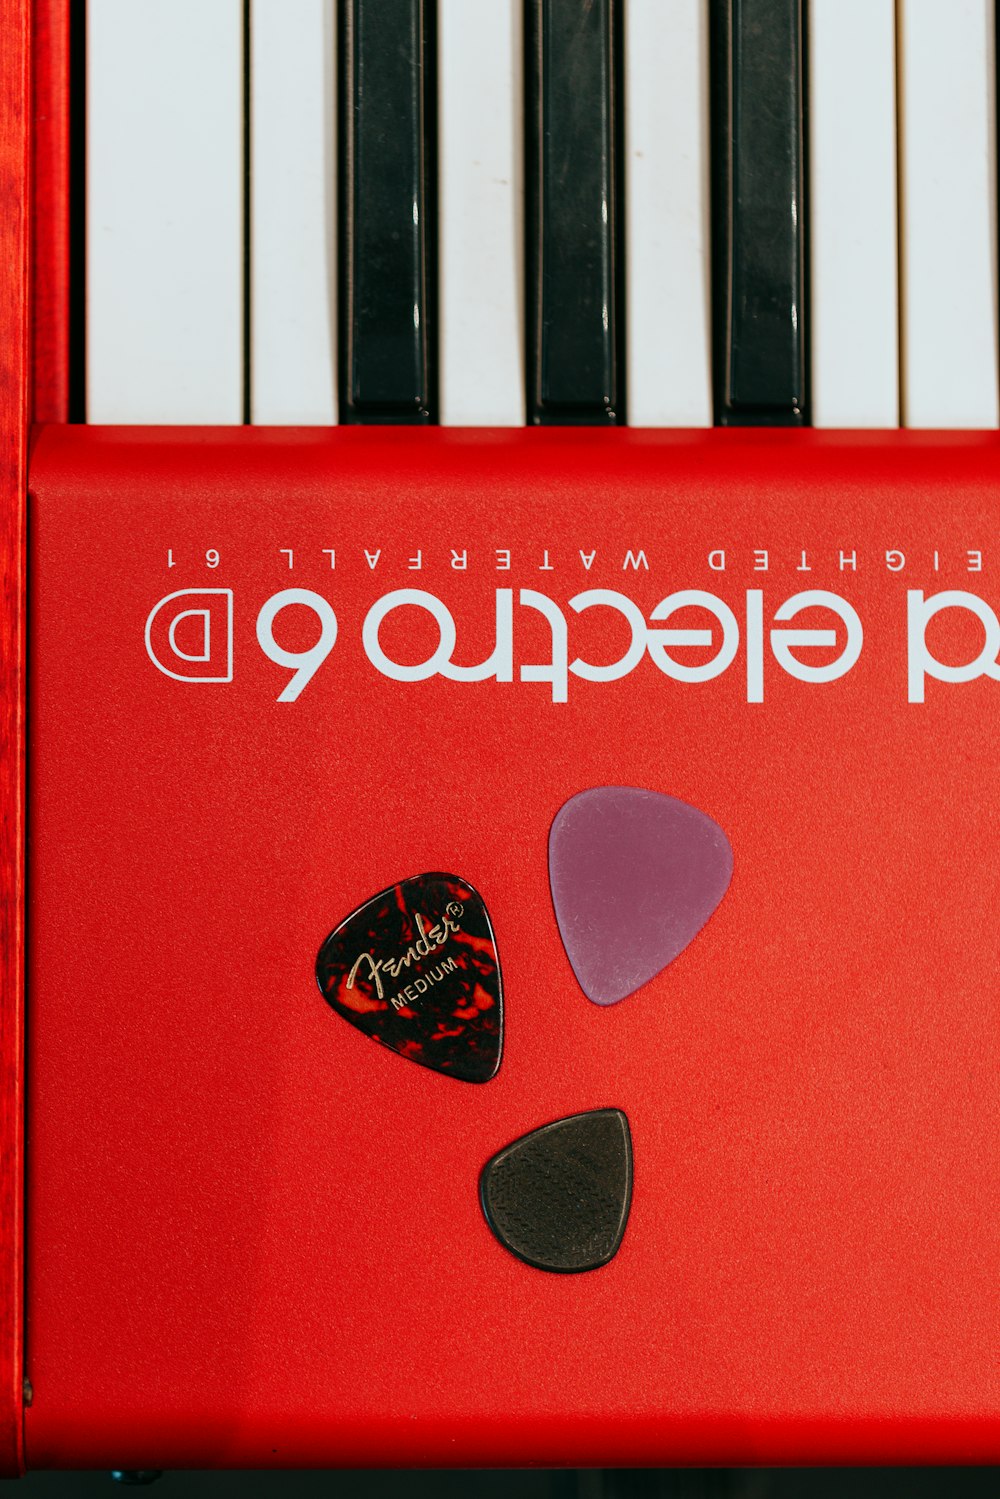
x=250 y=1237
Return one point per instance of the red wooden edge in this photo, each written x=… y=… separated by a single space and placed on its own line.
x=50 y=27
x=14 y=315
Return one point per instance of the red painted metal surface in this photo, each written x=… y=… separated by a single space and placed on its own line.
x=14 y=156
x=255 y=1235
x=50 y=22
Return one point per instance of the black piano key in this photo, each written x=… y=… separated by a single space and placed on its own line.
x=388 y=316
x=760 y=310
x=574 y=257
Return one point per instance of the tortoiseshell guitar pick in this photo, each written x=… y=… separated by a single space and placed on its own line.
x=416 y=968
x=559 y=1198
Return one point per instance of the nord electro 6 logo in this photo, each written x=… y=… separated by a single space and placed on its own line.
x=189 y=637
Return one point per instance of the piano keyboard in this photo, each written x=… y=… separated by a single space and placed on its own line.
x=486 y=212
x=259 y=670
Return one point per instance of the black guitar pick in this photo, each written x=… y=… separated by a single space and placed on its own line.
x=416 y=969
x=559 y=1198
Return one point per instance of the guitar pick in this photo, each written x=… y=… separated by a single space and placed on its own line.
x=635 y=875
x=416 y=969
x=559 y=1198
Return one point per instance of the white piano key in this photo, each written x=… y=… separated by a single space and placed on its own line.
x=852 y=204
x=165 y=211
x=480 y=213
x=668 y=264
x=948 y=220
x=293 y=212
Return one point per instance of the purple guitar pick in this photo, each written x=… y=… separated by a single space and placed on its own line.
x=635 y=876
